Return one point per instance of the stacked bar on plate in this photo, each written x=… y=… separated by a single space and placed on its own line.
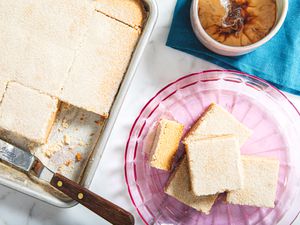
x=213 y=164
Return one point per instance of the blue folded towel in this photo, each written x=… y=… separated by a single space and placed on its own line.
x=278 y=61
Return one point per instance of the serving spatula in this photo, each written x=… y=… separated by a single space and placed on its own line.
x=28 y=163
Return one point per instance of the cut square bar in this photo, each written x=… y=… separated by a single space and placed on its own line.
x=27 y=112
x=214 y=164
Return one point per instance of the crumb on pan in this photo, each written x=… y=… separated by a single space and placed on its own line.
x=78 y=157
x=31 y=146
x=48 y=153
x=68 y=162
x=60 y=169
x=67 y=106
x=98 y=122
x=52 y=149
x=67 y=139
x=65 y=123
x=81 y=143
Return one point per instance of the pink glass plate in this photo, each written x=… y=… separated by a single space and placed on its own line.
x=254 y=102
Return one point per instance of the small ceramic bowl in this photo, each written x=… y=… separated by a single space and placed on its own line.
x=217 y=47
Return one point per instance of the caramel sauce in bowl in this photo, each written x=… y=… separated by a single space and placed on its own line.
x=236 y=27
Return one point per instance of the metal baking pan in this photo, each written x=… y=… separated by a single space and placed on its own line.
x=31 y=186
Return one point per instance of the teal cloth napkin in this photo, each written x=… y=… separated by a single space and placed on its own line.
x=278 y=61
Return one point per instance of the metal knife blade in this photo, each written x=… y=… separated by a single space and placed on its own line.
x=24 y=161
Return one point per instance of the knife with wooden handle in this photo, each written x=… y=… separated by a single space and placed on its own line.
x=27 y=162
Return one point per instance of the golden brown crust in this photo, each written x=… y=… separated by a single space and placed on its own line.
x=52 y=119
x=167 y=139
x=217 y=121
x=195 y=126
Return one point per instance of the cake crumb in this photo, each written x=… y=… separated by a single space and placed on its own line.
x=52 y=149
x=68 y=162
x=31 y=146
x=78 y=157
x=67 y=106
x=98 y=122
x=59 y=145
x=65 y=123
x=48 y=153
x=60 y=169
x=81 y=143
x=67 y=139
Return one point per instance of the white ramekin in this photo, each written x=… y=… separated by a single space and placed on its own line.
x=217 y=47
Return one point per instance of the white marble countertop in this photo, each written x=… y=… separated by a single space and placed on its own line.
x=159 y=66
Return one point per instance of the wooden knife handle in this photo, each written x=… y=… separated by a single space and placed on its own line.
x=104 y=208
